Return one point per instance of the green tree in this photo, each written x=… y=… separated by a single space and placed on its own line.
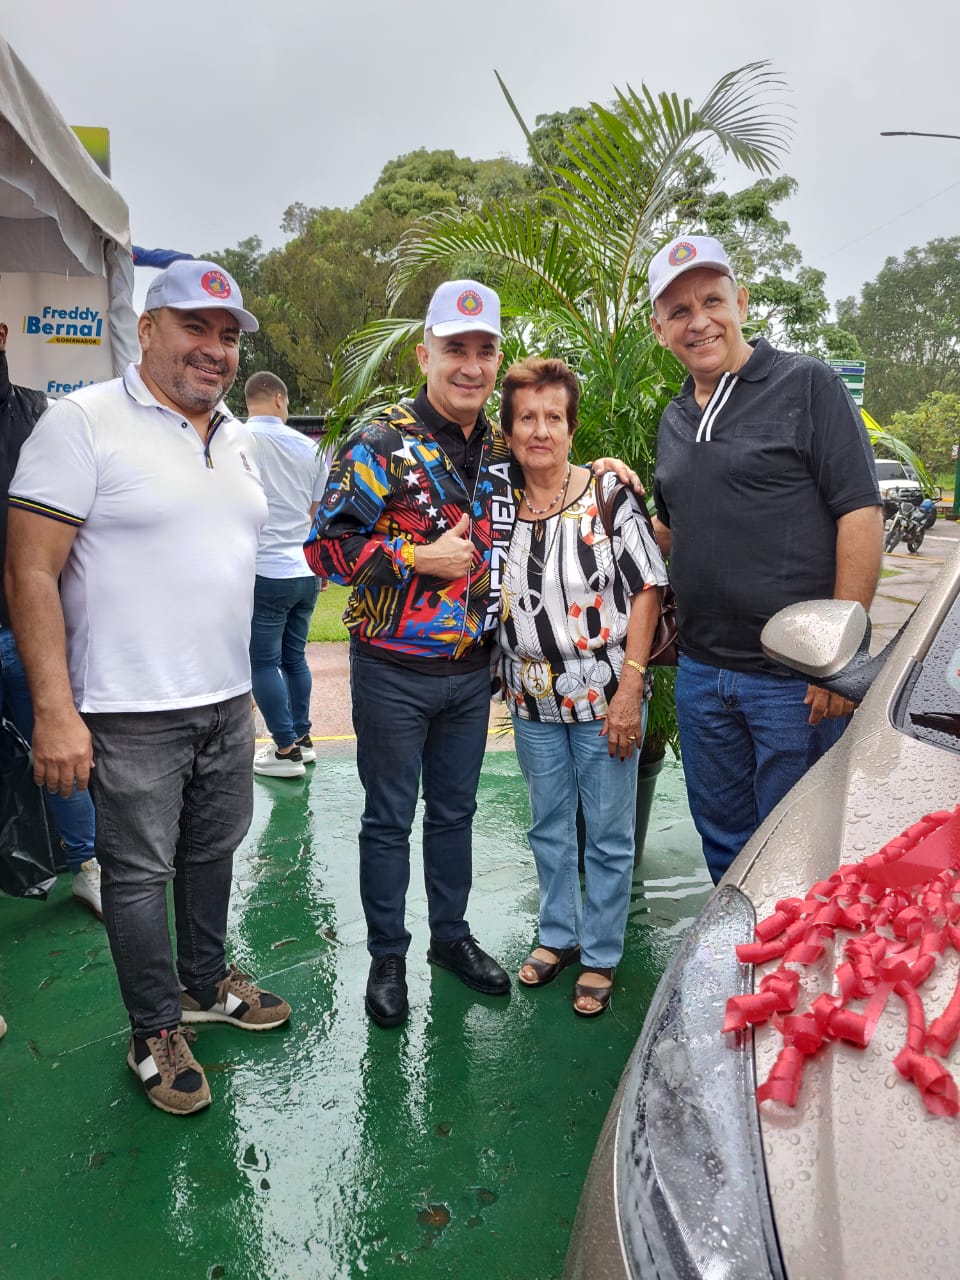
x=932 y=430
x=325 y=280
x=422 y=182
x=544 y=146
x=907 y=322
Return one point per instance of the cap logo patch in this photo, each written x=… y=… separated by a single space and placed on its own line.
x=469 y=303
x=216 y=284
x=681 y=253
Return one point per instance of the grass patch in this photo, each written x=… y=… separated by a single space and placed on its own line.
x=326 y=624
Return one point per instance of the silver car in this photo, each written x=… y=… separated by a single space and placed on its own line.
x=691 y=1177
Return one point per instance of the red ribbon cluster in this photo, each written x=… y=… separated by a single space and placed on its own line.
x=901 y=907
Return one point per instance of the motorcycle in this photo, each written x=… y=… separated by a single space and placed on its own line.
x=909 y=521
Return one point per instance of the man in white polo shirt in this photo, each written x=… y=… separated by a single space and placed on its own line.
x=141 y=495
x=293 y=471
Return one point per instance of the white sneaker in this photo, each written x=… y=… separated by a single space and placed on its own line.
x=86 y=886
x=272 y=764
x=308 y=751
x=3 y=1028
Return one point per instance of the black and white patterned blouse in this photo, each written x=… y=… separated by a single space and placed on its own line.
x=565 y=606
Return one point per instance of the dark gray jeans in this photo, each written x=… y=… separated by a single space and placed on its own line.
x=173 y=792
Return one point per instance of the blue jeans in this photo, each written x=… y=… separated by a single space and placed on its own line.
x=558 y=761
x=745 y=740
x=410 y=726
x=174 y=797
x=73 y=816
x=282 y=609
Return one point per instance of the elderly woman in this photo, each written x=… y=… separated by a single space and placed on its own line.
x=576 y=624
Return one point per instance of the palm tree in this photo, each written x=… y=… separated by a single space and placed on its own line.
x=570 y=264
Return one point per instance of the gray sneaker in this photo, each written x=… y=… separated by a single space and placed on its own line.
x=237 y=1001
x=171 y=1076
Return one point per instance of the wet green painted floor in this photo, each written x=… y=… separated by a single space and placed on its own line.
x=455 y=1145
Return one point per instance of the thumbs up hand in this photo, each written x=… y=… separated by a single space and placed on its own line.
x=448 y=557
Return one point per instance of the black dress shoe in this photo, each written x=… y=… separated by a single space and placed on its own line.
x=472 y=966
x=386 y=999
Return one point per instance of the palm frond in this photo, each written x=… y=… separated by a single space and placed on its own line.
x=623 y=165
x=535 y=151
x=731 y=112
x=359 y=359
x=542 y=262
x=892 y=446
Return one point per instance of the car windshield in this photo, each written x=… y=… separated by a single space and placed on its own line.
x=929 y=708
x=889 y=471
x=893 y=470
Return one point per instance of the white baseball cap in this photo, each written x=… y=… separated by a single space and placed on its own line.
x=462 y=306
x=191 y=284
x=683 y=255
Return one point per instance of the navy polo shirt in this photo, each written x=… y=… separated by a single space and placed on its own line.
x=751 y=488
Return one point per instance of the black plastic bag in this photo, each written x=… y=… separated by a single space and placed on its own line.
x=26 y=852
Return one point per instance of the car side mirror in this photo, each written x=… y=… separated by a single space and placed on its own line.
x=817 y=637
x=828 y=641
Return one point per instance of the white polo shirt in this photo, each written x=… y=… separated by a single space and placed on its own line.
x=158 y=587
x=294 y=474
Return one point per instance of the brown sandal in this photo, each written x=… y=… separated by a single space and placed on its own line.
x=547 y=970
x=600 y=994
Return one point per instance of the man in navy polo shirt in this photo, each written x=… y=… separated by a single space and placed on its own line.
x=766 y=494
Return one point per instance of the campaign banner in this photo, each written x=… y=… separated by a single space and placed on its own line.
x=59 y=336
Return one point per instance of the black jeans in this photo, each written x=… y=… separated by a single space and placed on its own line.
x=410 y=725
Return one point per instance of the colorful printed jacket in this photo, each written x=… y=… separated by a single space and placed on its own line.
x=392 y=484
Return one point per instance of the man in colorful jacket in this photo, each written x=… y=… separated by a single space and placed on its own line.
x=417 y=518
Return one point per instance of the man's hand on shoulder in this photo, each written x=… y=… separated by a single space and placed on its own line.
x=448 y=557
x=625 y=474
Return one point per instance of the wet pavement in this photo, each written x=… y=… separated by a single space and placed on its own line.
x=909 y=577
x=455 y=1145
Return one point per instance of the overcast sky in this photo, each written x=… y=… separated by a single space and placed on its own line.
x=222 y=115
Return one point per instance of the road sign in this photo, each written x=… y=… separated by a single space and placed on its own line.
x=852 y=373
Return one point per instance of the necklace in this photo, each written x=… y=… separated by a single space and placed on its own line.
x=542 y=511
x=538 y=532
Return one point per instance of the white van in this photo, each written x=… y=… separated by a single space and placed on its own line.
x=898 y=481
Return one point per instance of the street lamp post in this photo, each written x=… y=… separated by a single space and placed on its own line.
x=913 y=133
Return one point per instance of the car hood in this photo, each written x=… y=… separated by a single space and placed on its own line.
x=863 y=1180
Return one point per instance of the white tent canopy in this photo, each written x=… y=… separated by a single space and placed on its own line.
x=59 y=217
